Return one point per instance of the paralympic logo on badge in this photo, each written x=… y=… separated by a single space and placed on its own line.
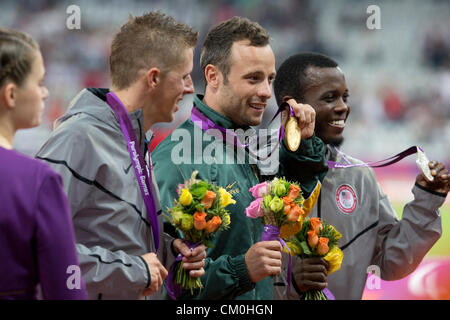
x=346 y=199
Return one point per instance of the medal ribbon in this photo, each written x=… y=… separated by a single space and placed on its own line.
x=376 y=164
x=232 y=138
x=143 y=176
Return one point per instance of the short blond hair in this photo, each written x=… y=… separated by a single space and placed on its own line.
x=151 y=40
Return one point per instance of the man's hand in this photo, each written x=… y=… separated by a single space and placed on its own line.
x=311 y=274
x=157 y=273
x=306 y=116
x=263 y=259
x=441 y=181
x=193 y=260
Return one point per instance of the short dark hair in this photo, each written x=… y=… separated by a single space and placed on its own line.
x=216 y=49
x=17 y=53
x=151 y=40
x=291 y=79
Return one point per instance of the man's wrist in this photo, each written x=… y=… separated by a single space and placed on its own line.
x=296 y=288
x=418 y=185
x=172 y=247
x=149 y=280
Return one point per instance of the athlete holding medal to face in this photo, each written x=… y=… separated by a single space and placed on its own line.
x=351 y=199
x=238 y=65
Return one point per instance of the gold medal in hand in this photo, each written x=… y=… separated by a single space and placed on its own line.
x=293 y=133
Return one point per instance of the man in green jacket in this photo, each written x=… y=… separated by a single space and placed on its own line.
x=239 y=66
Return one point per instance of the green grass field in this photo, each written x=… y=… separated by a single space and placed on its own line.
x=442 y=246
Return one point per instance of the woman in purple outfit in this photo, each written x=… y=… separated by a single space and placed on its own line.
x=37 y=243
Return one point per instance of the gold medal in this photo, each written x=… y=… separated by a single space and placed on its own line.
x=293 y=134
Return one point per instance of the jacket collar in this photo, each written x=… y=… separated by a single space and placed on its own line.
x=92 y=101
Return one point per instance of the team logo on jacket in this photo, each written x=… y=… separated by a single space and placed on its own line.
x=346 y=198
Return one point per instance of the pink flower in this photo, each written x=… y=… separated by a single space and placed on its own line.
x=259 y=190
x=179 y=188
x=254 y=210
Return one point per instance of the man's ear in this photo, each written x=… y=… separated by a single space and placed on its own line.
x=9 y=95
x=153 y=78
x=213 y=76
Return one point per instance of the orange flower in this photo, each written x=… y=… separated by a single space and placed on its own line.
x=294 y=213
x=316 y=225
x=199 y=220
x=293 y=191
x=287 y=201
x=313 y=239
x=287 y=204
x=322 y=247
x=213 y=224
x=208 y=199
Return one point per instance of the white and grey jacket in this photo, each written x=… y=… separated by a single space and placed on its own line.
x=352 y=200
x=88 y=149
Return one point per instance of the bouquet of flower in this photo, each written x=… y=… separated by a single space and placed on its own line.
x=198 y=213
x=279 y=204
x=317 y=239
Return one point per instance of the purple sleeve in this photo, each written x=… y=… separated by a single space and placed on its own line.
x=57 y=261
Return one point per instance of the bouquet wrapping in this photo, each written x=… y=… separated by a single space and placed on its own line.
x=199 y=213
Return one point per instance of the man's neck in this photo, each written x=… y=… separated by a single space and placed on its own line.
x=6 y=133
x=127 y=98
x=132 y=101
x=211 y=101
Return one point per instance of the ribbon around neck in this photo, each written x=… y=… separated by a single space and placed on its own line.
x=140 y=168
x=232 y=138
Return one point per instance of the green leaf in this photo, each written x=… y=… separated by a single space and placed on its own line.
x=287 y=186
x=198 y=191
x=305 y=248
x=199 y=207
x=207 y=243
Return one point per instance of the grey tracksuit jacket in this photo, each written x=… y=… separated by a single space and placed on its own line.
x=88 y=149
x=352 y=201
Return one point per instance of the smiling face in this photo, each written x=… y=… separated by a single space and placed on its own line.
x=243 y=97
x=175 y=83
x=326 y=91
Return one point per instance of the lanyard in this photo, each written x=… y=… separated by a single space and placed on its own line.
x=376 y=164
x=232 y=138
x=140 y=169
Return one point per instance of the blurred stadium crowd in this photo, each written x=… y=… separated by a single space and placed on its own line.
x=398 y=76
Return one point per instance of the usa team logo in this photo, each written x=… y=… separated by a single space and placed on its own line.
x=346 y=198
